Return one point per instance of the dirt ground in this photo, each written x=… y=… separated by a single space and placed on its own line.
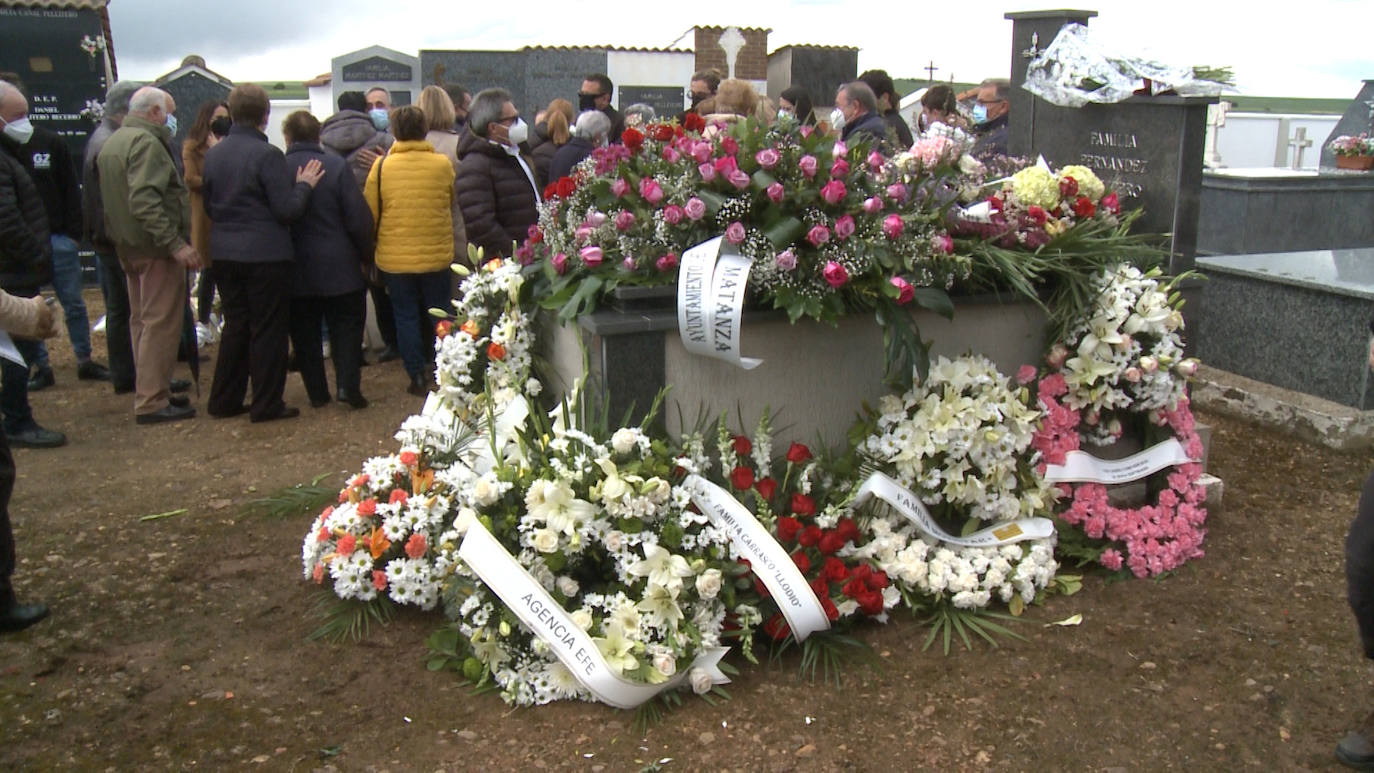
x=180 y=643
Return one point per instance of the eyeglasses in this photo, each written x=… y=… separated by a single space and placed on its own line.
x=584 y=94
x=510 y=120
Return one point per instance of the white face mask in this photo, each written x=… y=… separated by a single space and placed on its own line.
x=837 y=119
x=518 y=132
x=20 y=131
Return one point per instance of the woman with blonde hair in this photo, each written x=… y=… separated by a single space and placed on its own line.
x=440 y=114
x=556 y=130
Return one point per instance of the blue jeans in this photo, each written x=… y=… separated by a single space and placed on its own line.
x=412 y=296
x=66 y=281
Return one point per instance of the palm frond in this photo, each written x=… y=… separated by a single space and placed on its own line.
x=948 y=621
x=349 y=618
x=299 y=499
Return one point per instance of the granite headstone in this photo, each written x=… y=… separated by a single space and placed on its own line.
x=192 y=86
x=667 y=101
x=397 y=72
x=1357 y=119
x=43 y=45
x=821 y=70
x=533 y=76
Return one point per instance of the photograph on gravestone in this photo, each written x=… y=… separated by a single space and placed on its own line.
x=667 y=101
x=59 y=55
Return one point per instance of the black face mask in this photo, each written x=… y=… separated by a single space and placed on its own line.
x=698 y=99
x=220 y=126
x=587 y=102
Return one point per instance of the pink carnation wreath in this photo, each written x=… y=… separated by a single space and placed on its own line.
x=1148 y=540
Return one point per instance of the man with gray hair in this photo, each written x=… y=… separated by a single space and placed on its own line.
x=113 y=283
x=148 y=219
x=856 y=116
x=495 y=186
x=991 y=114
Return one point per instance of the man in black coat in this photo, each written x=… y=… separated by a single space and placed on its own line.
x=857 y=110
x=888 y=102
x=596 y=95
x=991 y=114
x=495 y=186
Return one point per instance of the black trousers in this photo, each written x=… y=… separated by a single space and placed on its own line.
x=345 y=315
x=6 y=533
x=386 y=321
x=1359 y=566
x=256 y=299
x=114 y=285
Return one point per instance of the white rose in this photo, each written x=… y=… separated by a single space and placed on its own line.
x=484 y=491
x=567 y=585
x=544 y=540
x=657 y=490
x=466 y=517
x=708 y=583
x=666 y=664
x=613 y=541
x=623 y=441
x=1149 y=364
x=582 y=618
x=701 y=681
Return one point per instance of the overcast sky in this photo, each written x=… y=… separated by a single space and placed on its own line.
x=1320 y=50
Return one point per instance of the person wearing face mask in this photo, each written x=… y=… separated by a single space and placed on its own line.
x=199 y=139
x=888 y=102
x=702 y=87
x=589 y=132
x=252 y=198
x=990 y=117
x=148 y=220
x=938 y=106
x=410 y=193
x=48 y=161
x=856 y=116
x=596 y=95
x=496 y=186
x=795 y=102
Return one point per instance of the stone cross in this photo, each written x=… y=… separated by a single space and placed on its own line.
x=1034 y=49
x=731 y=41
x=1214 y=123
x=1298 y=143
x=930 y=71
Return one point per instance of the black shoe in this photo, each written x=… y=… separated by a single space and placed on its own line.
x=180 y=401
x=352 y=399
x=229 y=414
x=21 y=616
x=285 y=413
x=123 y=390
x=388 y=354
x=92 y=371
x=37 y=437
x=42 y=379
x=320 y=403
x=179 y=385
x=172 y=412
x=1356 y=749
x=417 y=388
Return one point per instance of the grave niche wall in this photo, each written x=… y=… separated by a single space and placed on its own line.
x=821 y=70
x=533 y=76
x=397 y=72
x=191 y=87
x=43 y=47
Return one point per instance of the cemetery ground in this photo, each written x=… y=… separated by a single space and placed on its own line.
x=181 y=642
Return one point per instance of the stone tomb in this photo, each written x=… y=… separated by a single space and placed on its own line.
x=1297 y=320
x=1149 y=149
x=394 y=71
x=1280 y=210
x=192 y=85
x=1358 y=119
x=821 y=70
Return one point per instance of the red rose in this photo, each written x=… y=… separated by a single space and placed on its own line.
x=831 y=611
x=693 y=123
x=810 y=536
x=854 y=588
x=535 y=235
x=551 y=190
x=1068 y=188
x=729 y=145
x=871 y=603
x=761 y=589
x=766 y=487
x=1084 y=207
x=798 y=453
x=788 y=528
x=632 y=139
x=996 y=203
x=803 y=563
x=776 y=627
x=831 y=543
x=1111 y=203
x=877 y=580
x=742 y=478
x=820 y=588
x=660 y=131
x=803 y=504
x=848 y=529
x=862 y=572
x=742 y=445
x=1037 y=214
x=835 y=570
x=566 y=187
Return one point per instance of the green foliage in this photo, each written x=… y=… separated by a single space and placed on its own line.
x=349 y=618
x=299 y=499
x=946 y=621
x=827 y=653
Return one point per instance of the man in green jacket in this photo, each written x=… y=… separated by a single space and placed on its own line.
x=148 y=218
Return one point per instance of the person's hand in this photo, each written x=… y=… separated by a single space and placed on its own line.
x=211 y=140
x=311 y=173
x=367 y=157
x=47 y=320
x=187 y=256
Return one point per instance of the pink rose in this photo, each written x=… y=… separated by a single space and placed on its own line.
x=807 y=164
x=651 y=190
x=670 y=155
x=620 y=187
x=701 y=151
x=708 y=172
x=667 y=262
x=624 y=219
x=728 y=144
x=775 y=193
x=672 y=214
x=1025 y=374
x=787 y=260
x=726 y=164
x=840 y=168
x=840 y=149
x=833 y=192
x=738 y=179
x=592 y=256
x=1058 y=354
x=905 y=292
x=582 y=234
x=1132 y=374
x=628 y=263
x=893 y=226
x=897 y=192
x=767 y=158
x=835 y=274
x=560 y=264
x=873 y=205
x=525 y=254
x=695 y=209
x=596 y=219
x=818 y=235
x=844 y=227
x=876 y=160
x=1187 y=368
x=734 y=233
x=942 y=243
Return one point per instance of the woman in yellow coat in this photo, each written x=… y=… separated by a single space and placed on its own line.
x=410 y=192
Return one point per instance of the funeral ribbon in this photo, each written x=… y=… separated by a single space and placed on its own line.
x=1081 y=467
x=769 y=561
x=710 y=297
x=573 y=646
x=913 y=509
